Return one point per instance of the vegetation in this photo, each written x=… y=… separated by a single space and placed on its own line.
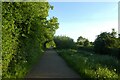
x=83 y=41
x=92 y=66
x=25 y=33
x=98 y=60
x=63 y=42
x=84 y=44
x=107 y=43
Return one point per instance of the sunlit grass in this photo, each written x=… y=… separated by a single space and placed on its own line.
x=92 y=66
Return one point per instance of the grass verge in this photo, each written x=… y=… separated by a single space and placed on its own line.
x=92 y=66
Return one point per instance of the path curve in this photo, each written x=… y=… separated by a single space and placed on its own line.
x=51 y=65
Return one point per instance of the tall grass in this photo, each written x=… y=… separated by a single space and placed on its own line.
x=92 y=66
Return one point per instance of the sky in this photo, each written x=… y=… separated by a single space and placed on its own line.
x=87 y=19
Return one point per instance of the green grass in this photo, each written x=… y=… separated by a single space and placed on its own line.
x=92 y=66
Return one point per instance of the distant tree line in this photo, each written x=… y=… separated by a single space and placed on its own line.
x=105 y=43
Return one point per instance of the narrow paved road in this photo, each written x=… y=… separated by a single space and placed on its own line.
x=51 y=65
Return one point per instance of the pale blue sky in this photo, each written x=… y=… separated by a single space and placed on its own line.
x=86 y=19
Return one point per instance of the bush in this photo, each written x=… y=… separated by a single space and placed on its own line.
x=63 y=42
x=107 y=43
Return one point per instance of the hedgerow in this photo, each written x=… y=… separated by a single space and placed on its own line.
x=25 y=29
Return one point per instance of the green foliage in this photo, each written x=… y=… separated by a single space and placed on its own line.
x=63 y=42
x=92 y=66
x=86 y=43
x=50 y=44
x=83 y=41
x=25 y=29
x=88 y=48
x=107 y=43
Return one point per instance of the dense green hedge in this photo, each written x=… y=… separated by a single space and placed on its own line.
x=25 y=29
x=64 y=42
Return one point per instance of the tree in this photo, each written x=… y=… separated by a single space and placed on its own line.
x=81 y=40
x=106 y=42
x=86 y=43
x=63 y=42
x=113 y=33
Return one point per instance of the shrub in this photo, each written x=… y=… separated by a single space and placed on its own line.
x=63 y=42
x=107 y=43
